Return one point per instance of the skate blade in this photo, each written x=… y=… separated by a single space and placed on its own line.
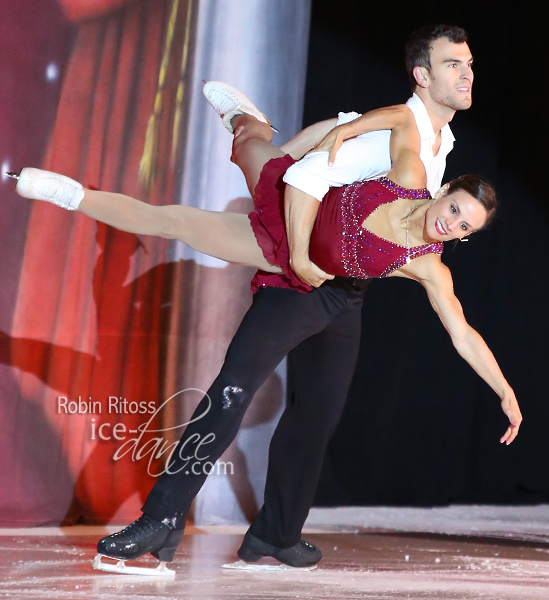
x=121 y=567
x=240 y=565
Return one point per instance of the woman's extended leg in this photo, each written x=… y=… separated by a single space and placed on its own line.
x=226 y=236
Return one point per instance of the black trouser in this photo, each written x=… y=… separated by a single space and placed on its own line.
x=323 y=327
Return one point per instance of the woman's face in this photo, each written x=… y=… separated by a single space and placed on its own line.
x=453 y=216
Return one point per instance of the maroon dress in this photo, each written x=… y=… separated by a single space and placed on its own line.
x=339 y=244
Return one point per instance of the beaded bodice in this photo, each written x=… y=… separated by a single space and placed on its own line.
x=340 y=245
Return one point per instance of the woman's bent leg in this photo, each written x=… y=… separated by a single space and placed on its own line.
x=252 y=148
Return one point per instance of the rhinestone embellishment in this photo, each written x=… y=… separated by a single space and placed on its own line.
x=363 y=253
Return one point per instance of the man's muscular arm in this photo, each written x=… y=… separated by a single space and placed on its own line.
x=300 y=211
x=307 y=139
x=389 y=117
x=301 y=208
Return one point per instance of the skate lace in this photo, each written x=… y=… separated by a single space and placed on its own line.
x=60 y=192
x=142 y=525
x=223 y=102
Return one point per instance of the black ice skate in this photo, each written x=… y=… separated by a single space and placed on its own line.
x=303 y=556
x=142 y=536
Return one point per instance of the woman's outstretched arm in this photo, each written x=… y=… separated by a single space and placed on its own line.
x=437 y=281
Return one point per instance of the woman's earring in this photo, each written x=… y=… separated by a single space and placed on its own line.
x=463 y=239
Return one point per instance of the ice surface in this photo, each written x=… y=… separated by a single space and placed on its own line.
x=455 y=553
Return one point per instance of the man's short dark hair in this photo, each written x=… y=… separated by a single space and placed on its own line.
x=420 y=43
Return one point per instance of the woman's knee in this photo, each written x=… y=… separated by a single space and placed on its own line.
x=248 y=131
x=246 y=126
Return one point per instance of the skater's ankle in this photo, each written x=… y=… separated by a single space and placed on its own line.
x=172 y=523
x=238 y=117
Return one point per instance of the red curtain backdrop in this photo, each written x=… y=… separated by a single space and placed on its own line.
x=103 y=91
x=91 y=319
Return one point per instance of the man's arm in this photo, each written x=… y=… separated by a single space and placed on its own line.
x=300 y=211
x=363 y=157
x=389 y=117
x=307 y=139
x=309 y=180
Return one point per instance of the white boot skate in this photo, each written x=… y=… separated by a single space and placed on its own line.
x=228 y=102
x=60 y=190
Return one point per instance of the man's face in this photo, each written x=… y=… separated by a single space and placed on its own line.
x=451 y=75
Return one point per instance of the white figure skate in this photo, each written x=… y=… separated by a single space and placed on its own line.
x=120 y=567
x=60 y=190
x=228 y=102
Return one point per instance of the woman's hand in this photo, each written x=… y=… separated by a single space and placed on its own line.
x=309 y=273
x=332 y=141
x=511 y=408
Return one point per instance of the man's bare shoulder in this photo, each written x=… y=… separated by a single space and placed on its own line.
x=408 y=117
x=401 y=114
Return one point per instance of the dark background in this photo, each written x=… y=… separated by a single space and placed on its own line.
x=420 y=427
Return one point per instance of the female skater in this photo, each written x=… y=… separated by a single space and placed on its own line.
x=387 y=227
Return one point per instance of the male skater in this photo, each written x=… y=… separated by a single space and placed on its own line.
x=320 y=330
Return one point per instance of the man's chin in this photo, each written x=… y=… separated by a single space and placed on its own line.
x=463 y=103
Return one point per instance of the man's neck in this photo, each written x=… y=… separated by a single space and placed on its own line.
x=439 y=114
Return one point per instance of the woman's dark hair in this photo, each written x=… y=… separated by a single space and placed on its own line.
x=419 y=45
x=480 y=189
